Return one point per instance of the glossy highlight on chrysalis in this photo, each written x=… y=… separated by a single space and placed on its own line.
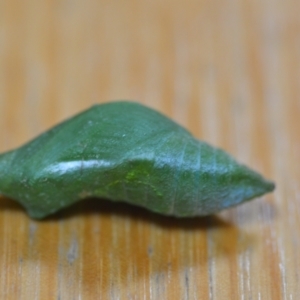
x=124 y=151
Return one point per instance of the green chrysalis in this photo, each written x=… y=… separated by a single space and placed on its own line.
x=124 y=151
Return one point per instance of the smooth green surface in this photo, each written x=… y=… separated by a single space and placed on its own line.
x=124 y=151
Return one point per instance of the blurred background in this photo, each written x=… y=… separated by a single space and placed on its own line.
x=229 y=71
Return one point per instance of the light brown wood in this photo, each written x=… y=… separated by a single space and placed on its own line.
x=227 y=70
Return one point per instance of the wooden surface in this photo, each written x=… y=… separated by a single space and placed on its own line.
x=229 y=71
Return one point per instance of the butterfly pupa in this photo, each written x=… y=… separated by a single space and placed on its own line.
x=124 y=151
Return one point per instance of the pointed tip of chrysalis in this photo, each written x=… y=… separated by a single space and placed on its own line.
x=262 y=187
x=269 y=186
x=244 y=185
x=254 y=185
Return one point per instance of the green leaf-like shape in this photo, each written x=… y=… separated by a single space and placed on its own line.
x=124 y=151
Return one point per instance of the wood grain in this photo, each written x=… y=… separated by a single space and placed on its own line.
x=227 y=70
